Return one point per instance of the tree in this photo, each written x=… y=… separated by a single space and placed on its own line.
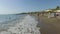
x=57 y=8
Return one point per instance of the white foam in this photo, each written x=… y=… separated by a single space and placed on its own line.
x=27 y=26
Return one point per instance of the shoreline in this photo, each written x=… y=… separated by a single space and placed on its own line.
x=27 y=26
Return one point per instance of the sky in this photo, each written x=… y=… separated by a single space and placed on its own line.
x=19 y=6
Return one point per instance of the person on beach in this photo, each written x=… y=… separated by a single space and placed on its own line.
x=38 y=16
x=55 y=15
x=38 y=25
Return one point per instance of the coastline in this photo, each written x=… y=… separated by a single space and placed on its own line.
x=27 y=26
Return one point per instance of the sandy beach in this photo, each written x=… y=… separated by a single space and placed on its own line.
x=49 y=25
x=27 y=26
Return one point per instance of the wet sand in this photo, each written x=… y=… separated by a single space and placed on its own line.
x=49 y=25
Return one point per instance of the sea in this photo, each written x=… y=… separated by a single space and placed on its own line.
x=9 y=20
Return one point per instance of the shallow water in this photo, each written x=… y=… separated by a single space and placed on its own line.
x=9 y=20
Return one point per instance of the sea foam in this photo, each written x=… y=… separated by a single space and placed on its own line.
x=27 y=26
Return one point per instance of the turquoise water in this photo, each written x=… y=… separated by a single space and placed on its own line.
x=9 y=20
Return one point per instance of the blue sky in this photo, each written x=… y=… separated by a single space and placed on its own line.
x=18 y=6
